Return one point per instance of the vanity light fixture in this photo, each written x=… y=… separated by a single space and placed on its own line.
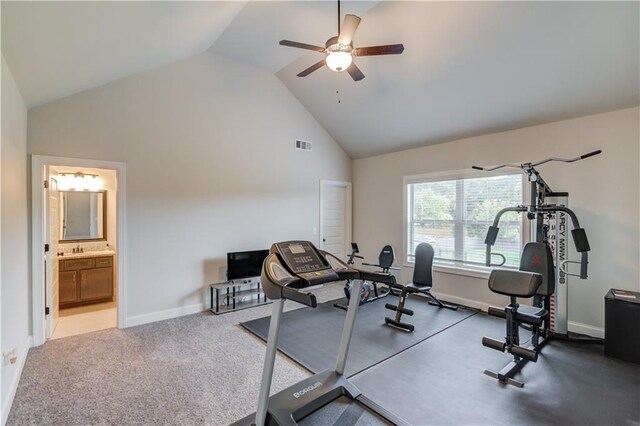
x=79 y=181
x=79 y=175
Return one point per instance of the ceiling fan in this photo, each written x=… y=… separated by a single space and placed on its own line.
x=340 y=50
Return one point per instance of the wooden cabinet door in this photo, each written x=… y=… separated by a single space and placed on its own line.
x=68 y=292
x=96 y=284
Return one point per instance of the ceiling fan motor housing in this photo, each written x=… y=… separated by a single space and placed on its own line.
x=332 y=45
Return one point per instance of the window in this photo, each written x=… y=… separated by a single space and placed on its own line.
x=453 y=215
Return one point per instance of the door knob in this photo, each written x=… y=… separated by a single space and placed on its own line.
x=324 y=240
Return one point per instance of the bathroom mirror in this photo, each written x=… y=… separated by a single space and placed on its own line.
x=83 y=215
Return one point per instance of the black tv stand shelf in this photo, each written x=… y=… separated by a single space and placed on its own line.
x=230 y=296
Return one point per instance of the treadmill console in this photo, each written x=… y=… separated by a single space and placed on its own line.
x=303 y=260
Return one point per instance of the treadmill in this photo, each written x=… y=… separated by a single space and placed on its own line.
x=291 y=267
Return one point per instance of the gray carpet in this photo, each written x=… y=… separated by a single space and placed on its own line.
x=198 y=369
x=312 y=336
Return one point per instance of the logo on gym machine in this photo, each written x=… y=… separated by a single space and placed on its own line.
x=536 y=260
x=301 y=392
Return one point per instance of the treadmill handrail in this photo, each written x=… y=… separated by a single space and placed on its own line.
x=278 y=287
x=348 y=272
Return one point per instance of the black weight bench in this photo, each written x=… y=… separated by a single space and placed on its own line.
x=421 y=284
x=535 y=278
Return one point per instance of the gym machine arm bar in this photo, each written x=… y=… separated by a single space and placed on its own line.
x=492 y=234
x=528 y=165
x=580 y=241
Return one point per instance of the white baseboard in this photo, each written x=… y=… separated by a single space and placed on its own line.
x=587 y=329
x=22 y=357
x=575 y=327
x=462 y=301
x=164 y=315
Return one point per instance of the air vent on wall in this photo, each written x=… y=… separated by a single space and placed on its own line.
x=306 y=146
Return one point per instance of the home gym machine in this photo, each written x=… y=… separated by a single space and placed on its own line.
x=536 y=277
x=370 y=292
x=290 y=267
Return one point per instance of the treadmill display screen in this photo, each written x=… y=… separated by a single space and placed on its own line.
x=296 y=248
x=301 y=257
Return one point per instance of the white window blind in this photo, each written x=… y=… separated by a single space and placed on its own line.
x=454 y=216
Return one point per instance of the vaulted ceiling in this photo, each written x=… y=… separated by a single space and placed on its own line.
x=468 y=67
x=55 y=49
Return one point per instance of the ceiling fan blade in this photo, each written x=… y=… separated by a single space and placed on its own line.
x=301 y=45
x=389 y=49
x=355 y=72
x=312 y=68
x=349 y=26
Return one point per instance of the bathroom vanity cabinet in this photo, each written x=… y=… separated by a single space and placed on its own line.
x=84 y=281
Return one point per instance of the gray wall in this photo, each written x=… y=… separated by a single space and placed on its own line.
x=15 y=313
x=211 y=167
x=603 y=192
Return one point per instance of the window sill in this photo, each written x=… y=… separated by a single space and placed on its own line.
x=482 y=273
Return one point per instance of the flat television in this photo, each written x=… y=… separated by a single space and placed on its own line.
x=245 y=264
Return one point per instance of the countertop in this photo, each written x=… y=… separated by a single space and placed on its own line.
x=87 y=254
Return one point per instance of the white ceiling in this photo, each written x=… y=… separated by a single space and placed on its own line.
x=468 y=68
x=55 y=49
x=473 y=68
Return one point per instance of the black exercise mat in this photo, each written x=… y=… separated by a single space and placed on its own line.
x=441 y=381
x=311 y=336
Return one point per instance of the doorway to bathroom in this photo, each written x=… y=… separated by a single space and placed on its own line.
x=78 y=220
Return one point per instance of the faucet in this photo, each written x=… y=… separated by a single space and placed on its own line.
x=78 y=249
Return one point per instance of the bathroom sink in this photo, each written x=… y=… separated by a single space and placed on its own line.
x=88 y=254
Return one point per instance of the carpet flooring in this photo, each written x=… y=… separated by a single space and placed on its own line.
x=205 y=369
x=197 y=369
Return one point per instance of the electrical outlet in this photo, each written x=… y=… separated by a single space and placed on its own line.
x=10 y=356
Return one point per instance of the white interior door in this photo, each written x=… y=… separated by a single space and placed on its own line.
x=335 y=217
x=53 y=237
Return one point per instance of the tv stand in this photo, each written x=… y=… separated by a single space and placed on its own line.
x=230 y=296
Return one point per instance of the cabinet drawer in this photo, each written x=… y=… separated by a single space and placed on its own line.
x=103 y=262
x=74 y=264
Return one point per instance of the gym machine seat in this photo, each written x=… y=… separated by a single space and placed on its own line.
x=422 y=283
x=385 y=261
x=534 y=279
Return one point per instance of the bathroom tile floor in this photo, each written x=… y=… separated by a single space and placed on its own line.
x=85 y=319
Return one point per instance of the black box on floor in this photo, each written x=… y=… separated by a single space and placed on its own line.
x=622 y=325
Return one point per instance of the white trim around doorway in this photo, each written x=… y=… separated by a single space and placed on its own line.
x=37 y=235
x=324 y=183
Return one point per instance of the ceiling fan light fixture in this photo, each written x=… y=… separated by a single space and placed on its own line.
x=339 y=61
